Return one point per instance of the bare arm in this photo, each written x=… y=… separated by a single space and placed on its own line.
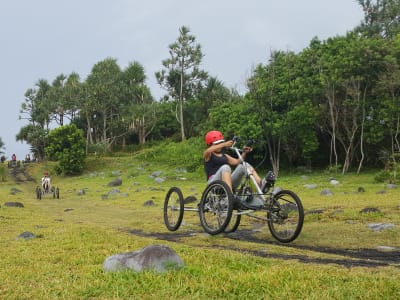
x=216 y=148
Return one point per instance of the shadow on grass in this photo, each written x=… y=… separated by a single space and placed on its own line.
x=370 y=258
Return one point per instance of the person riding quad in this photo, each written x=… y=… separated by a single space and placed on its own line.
x=217 y=164
x=46 y=182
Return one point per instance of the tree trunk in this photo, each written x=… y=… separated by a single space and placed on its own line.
x=332 y=115
x=362 y=132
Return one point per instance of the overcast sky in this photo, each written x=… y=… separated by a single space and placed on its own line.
x=40 y=39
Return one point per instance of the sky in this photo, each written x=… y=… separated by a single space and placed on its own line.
x=42 y=39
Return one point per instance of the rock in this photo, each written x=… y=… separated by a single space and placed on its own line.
x=333 y=181
x=15 y=191
x=190 y=199
x=387 y=249
x=114 y=192
x=155 y=174
x=116 y=182
x=380 y=226
x=159 y=258
x=314 y=211
x=81 y=192
x=391 y=186
x=361 y=189
x=159 y=180
x=68 y=209
x=149 y=203
x=14 y=204
x=116 y=173
x=26 y=235
x=381 y=192
x=326 y=192
x=369 y=210
x=310 y=186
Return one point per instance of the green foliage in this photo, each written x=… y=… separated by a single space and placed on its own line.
x=36 y=136
x=67 y=146
x=1 y=146
x=235 y=118
x=187 y=154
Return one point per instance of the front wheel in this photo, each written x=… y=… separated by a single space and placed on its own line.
x=285 y=216
x=173 y=209
x=215 y=208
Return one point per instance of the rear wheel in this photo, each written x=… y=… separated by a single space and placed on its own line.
x=38 y=193
x=234 y=223
x=173 y=209
x=285 y=216
x=215 y=208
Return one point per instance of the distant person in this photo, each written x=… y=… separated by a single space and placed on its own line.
x=14 y=157
x=46 y=182
x=27 y=158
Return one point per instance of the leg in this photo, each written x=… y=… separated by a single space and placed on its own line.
x=224 y=174
x=240 y=171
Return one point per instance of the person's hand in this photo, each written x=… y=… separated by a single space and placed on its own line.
x=228 y=143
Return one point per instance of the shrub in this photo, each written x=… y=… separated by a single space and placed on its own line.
x=67 y=146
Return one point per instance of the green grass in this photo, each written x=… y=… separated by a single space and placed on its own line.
x=65 y=260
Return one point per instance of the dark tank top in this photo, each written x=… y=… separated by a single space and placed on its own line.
x=213 y=164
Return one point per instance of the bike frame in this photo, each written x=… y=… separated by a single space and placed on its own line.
x=248 y=174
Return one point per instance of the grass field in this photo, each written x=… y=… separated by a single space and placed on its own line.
x=336 y=256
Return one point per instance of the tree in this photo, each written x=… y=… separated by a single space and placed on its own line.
x=1 y=146
x=381 y=17
x=36 y=111
x=181 y=75
x=66 y=145
x=140 y=110
x=350 y=67
x=278 y=99
x=104 y=95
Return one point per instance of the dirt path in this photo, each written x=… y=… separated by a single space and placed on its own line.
x=19 y=174
x=369 y=258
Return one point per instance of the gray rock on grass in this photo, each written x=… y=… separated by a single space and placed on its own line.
x=115 y=182
x=14 y=204
x=26 y=235
x=159 y=258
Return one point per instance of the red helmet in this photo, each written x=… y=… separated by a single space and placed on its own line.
x=214 y=137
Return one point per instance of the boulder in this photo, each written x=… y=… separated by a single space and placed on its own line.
x=14 y=204
x=159 y=258
x=26 y=235
x=326 y=192
x=116 y=182
x=380 y=226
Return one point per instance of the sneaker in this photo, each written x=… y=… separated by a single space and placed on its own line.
x=268 y=181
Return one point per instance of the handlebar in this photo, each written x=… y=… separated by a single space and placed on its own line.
x=249 y=142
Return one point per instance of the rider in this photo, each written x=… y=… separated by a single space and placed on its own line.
x=218 y=164
x=46 y=181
